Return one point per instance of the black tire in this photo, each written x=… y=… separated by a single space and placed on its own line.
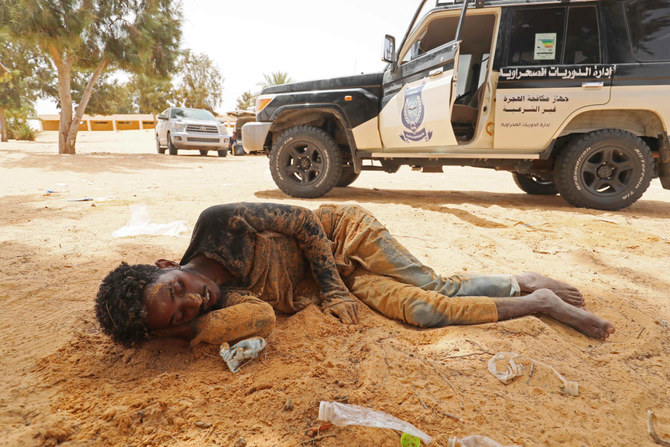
x=606 y=170
x=172 y=149
x=305 y=162
x=222 y=152
x=534 y=185
x=159 y=149
x=203 y=152
x=347 y=177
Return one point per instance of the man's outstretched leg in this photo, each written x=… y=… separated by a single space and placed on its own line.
x=360 y=239
x=425 y=308
x=546 y=302
x=530 y=282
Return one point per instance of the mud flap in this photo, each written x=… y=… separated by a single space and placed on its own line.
x=664 y=167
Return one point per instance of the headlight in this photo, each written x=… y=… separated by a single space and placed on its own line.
x=223 y=130
x=263 y=101
x=178 y=127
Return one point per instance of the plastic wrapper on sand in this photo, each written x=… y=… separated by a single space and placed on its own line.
x=345 y=414
x=140 y=224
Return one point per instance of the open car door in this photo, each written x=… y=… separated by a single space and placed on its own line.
x=417 y=100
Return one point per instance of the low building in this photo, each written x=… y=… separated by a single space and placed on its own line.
x=136 y=121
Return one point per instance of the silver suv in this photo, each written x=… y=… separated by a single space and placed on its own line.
x=182 y=128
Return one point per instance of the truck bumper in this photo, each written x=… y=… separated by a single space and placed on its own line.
x=183 y=140
x=255 y=135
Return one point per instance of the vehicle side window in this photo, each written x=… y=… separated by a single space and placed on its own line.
x=649 y=28
x=582 y=45
x=536 y=37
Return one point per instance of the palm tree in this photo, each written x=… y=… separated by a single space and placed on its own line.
x=276 y=78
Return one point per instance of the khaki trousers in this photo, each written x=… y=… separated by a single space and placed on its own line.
x=379 y=271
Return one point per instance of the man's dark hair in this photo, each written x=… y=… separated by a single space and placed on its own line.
x=119 y=305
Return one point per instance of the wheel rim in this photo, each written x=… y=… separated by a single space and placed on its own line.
x=608 y=171
x=303 y=162
x=539 y=180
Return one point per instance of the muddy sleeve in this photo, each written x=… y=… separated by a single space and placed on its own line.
x=306 y=228
x=242 y=317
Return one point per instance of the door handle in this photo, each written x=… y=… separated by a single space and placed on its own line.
x=593 y=84
x=436 y=71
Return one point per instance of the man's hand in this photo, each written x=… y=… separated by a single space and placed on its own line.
x=346 y=311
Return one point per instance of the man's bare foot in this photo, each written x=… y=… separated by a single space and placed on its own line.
x=585 y=322
x=529 y=282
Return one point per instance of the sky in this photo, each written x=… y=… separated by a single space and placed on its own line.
x=308 y=39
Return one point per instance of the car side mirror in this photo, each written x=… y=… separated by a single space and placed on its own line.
x=162 y=117
x=389 y=54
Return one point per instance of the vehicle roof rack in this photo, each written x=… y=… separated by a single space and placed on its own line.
x=482 y=3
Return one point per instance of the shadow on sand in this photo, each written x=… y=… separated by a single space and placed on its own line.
x=439 y=200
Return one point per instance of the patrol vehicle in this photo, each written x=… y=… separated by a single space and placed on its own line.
x=571 y=97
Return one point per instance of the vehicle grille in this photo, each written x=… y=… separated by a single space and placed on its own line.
x=201 y=129
x=202 y=140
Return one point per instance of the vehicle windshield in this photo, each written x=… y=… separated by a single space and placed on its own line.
x=425 y=9
x=194 y=114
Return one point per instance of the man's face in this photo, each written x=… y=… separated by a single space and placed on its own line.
x=178 y=296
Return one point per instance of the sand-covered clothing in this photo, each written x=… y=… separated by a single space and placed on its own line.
x=382 y=273
x=270 y=248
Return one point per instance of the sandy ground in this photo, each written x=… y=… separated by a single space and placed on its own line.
x=64 y=381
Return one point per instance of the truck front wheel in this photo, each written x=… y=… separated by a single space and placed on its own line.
x=172 y=149
x=606 y=170
x=305 y=162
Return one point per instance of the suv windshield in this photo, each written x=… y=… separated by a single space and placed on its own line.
x=194 y=114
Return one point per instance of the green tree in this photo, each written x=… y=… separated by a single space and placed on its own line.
x=246 y=101
x=275 y=78
x=21 y=84
x=109 y=97
x=152 y=95
x=95 y=36
x=199 y=82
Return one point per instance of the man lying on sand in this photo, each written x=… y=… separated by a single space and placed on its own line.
x=246 y=260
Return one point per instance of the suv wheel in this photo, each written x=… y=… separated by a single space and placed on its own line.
x=203 y=152
x=305 y=162
x=532 y=184
x=347 y=177
x=222 y=152
x=172 y=149
x=159 y=149
x=606 y=170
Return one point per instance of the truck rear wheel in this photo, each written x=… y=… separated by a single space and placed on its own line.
x=347 y=177
x=305 y=162
x=534 y=185
x=606 y=170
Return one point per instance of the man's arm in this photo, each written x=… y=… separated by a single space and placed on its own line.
x=244 y=316
x=301 y=224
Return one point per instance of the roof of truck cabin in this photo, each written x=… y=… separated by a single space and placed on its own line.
x=494 y=3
